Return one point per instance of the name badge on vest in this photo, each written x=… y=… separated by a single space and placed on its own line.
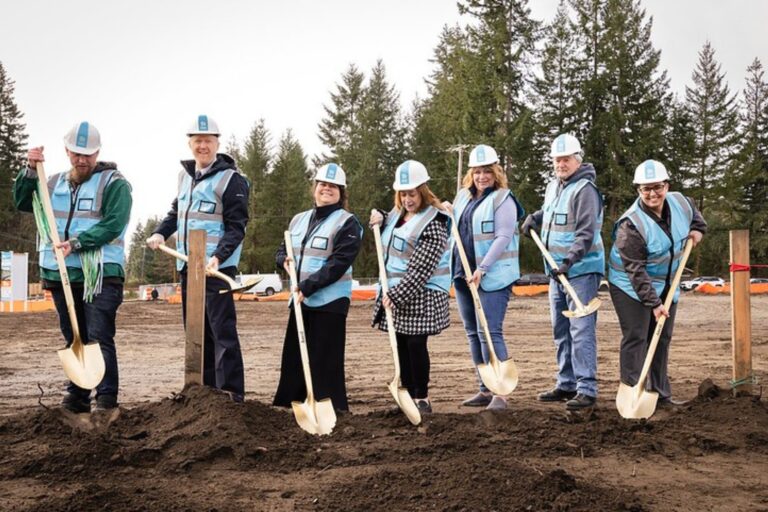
x=206 y=207
x=398 y=243
x=561 y=219
x=486 y=226
x=85 y=204
x=319 y=242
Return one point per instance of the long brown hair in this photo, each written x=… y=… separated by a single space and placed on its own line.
x=498 y=175
x=427 y=198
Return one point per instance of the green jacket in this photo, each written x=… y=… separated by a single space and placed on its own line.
x=115 y=214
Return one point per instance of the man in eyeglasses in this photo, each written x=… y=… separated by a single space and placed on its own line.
x=648 y=242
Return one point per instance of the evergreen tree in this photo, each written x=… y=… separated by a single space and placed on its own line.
x=16 y=229
x=340 y=128
x=145 y=266
x=713 y=112
x=254 y=162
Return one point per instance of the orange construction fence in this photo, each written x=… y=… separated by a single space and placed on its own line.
x=709 y=289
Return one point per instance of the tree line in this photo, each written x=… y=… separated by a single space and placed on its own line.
x=506 y=79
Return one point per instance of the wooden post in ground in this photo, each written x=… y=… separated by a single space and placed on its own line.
x=195 y=325
x=741 y=318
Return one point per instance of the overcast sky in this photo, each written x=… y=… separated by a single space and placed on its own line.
x=142 y=70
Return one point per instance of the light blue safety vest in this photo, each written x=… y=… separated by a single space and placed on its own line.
x=400 y=244
x=82 y=209
x=559 y=224
x=662 y=261
x=311 y=257
x=202 y=207
x=506 y=269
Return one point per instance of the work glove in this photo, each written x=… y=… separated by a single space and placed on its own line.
x=529 y=224
x=376 y=218
x=563 y=269
x=155 y=241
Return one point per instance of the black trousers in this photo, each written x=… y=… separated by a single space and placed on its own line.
x=414 y=363
x=637 y=325
x=326 y=338
x=222 y=357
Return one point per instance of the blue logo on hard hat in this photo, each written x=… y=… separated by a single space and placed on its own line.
x=330 y=172
x=82 y=136
x=561 y=143
x=404 y=172
x=650 y=170
x=480 y=154
x=202 y=123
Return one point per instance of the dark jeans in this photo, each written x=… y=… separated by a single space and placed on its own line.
x=414 y=363
x=222 y=358
x=96 y=321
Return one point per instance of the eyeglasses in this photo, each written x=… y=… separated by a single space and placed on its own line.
x=657 y=189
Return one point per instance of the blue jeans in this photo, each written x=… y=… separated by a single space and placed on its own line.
x=495 y=307
x=96 y=322
x=575 y=340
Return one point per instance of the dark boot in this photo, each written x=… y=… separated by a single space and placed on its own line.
x=580 y=401
x=76 y=404
x=105 y=402
x=556 y=395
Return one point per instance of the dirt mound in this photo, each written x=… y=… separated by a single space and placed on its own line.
x=199 y=450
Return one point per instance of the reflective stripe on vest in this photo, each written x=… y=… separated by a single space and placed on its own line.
x=82 y=211
x=558 y=229
x=400 y=244
x=661 y=263
x=201 y=206
x=506 y=269
x=312 y=257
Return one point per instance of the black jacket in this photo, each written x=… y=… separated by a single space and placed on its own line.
x=235 y=206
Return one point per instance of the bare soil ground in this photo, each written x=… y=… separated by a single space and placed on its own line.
x=172 y=450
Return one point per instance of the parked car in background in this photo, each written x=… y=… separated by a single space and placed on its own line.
x=269 y=285
x=529 y=279
x=692 y=284
x=759 y=280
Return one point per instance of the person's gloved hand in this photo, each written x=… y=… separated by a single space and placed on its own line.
x=529 y=224
x=376 y=218
x=563 y=269
x=155 y=241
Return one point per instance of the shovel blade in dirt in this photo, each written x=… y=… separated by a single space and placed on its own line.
x=83 y=364
x=499 y=376
x=405 y=402
x=315 y=417
x=586 y=310
x=635 y=403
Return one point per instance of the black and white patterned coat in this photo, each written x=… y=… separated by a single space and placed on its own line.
x=418 y=309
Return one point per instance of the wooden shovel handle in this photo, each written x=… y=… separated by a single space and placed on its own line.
x=660 y=322
x=384 y=290
x=299 y=317
x=183 y=257
x=45 y=198
x=552 y=263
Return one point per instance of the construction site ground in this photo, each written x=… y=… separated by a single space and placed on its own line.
x=173 y=449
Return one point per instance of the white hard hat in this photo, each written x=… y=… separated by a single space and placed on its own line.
x=409 y=175
x=83 y=139
x=332 y=173
x=564 y=145
x=203 y=125
x=482 y=155
x=650 y=171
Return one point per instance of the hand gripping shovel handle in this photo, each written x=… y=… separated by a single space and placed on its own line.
x=45 y=198
x=402 y=397
x=233 y=285
x=661 y=321
x=552 y=263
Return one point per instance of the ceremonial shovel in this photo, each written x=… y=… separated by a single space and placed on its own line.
x=234 y=287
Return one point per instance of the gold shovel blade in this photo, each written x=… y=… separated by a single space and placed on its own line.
x=501 y=378
x=633 y=403
x=405 y=402
x=317 y=418
x=590 y=308
x=244 y=287
x=83 y=364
